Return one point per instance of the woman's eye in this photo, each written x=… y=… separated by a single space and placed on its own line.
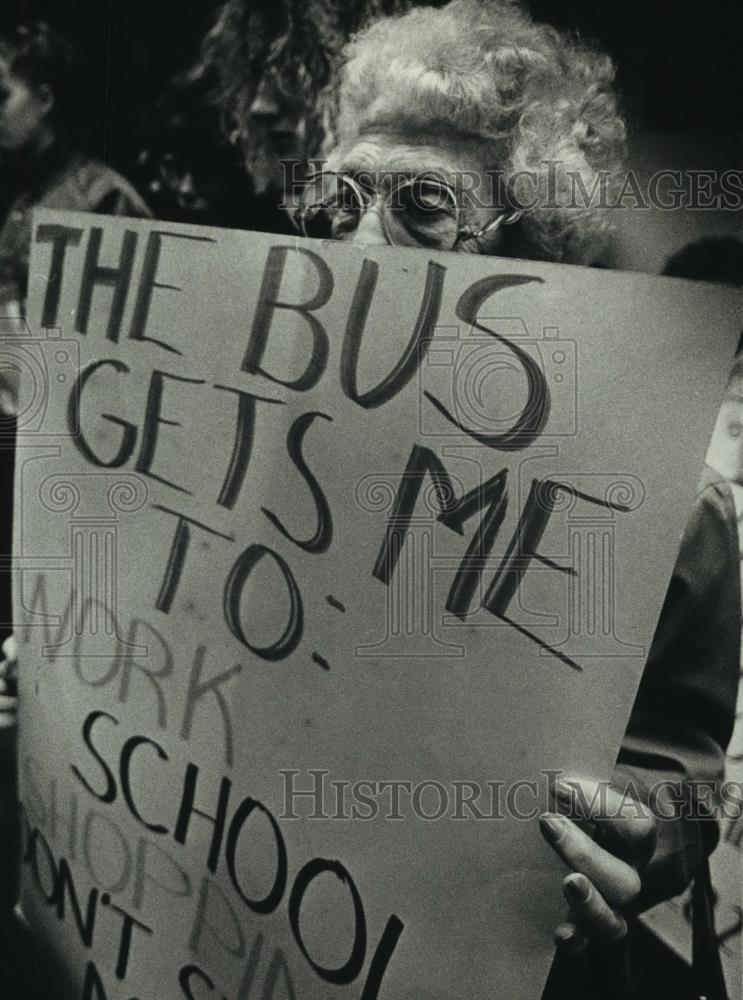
x=433 y=203
x=427 y=203
x=735 y=428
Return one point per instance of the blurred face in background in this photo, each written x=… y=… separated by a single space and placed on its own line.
x=24 y=112
x=184 y=178
x=725 y=454
x=275 y=130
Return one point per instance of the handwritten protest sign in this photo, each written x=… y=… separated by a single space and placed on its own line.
x=326 y=556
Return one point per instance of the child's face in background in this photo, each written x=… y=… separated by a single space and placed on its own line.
x=725 y=454
x=23 y=111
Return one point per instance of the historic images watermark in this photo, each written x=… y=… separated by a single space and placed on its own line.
x=551 y=187
x=316 y=794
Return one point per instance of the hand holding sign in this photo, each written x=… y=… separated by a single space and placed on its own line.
x=607 y=867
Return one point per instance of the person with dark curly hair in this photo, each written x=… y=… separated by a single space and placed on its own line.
x=189 y=171
x=267 y=68
x=38 y=88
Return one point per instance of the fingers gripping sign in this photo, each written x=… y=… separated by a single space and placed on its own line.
x=606 y=864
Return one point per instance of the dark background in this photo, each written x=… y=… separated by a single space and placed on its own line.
x=678 y=66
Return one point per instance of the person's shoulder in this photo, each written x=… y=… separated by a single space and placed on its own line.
x=105 y=190
x=714 y=492
x=711 y=545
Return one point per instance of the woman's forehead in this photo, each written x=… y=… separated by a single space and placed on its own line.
x=392 y=153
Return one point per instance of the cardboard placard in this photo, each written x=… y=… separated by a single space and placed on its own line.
x=326 y=558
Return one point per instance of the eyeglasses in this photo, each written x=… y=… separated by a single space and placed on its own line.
x=418 y=212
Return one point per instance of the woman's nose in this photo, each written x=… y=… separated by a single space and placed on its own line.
x=370 y=231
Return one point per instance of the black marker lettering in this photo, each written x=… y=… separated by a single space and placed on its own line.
x=148 y=283
x=278 y=968
x=85 y=926
x=347 y=972
x=128 y=924
x=177 y=557
x=381 y=958
x=92 y=985
x=146 y=666
x=198 y=689
x=152 y=420
x=129 y=435
x=494 y=494
x=60 y=237
x=272 y=899
x=109 y=795
x=535 y=414
x=127 y=752
x=239 y=575
x=320 y=541
x=186 y=976
x=415 y=351
x=522 y=548
x=187 y=808
x=422 y=462
x=95 y=275
x=243 y=447
x=268 y=303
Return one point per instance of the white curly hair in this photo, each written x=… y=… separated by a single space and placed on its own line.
x=540 y=100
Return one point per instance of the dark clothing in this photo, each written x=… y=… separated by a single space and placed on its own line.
x=265 y=216
x=684 y=714
x=681 y=722
x=61 y=179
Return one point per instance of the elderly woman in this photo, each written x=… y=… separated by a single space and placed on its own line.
x=478 y=92
x=471 y=128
